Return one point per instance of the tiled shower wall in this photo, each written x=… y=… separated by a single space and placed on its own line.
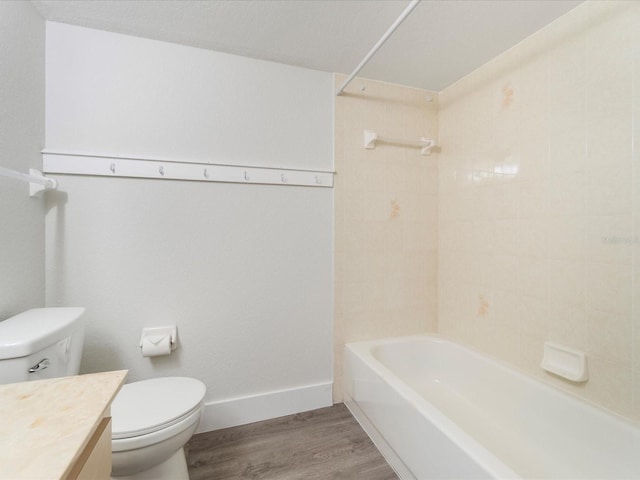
x=385 y=216
x=539 y=202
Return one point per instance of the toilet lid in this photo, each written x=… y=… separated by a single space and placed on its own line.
x=150 y=405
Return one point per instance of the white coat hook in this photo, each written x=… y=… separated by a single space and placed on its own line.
x=161 y=170
x=206 y=174
x=318 y=181
x=112 y=168
x=246 y=176
x=283 y=179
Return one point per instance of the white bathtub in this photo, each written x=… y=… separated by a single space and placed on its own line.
x=438 y=410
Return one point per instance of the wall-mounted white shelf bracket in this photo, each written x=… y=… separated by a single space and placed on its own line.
x=38 y=183
x=425 y=144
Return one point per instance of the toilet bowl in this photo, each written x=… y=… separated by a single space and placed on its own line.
x=152 y=420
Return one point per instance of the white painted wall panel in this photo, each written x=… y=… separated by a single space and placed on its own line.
x=22 y=45
x=245 y=271
x=150 y=99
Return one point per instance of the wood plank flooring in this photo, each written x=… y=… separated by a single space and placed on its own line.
x=321 y=444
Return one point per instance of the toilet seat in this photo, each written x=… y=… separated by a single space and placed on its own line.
x=149 y=439
x=148 y=406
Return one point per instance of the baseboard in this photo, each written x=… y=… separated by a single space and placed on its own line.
x=254 y=408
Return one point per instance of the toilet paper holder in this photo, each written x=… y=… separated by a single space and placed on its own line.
x=156 y=334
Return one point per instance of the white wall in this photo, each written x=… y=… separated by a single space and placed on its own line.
x=22 y=46
x=245 y=271
x=147 y=98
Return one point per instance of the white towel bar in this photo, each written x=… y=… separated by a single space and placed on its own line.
x=425 y=144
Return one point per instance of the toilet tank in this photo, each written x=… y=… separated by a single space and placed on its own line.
x=41 y=343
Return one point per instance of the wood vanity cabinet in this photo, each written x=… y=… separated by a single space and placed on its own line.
x=94 y=462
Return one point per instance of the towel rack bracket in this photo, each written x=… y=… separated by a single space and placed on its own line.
x=38 y=183
x=37 y=188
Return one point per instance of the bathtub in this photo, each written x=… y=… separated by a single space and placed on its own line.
x=438 y=410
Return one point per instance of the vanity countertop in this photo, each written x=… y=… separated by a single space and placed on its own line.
x=46 y=424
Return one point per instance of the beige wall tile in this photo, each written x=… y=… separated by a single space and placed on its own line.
x=636 y=341
x=540 y=201
x=568 y=283
x=610 y=189
x=610 y=337
x=610 y=239
x=568 y=194
x=386 y=228
x=609 y=288
x=568 y=324
x=610 y=385
x=636 y=213
x=568 y=238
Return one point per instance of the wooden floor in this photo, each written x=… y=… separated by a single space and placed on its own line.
x=322 y=444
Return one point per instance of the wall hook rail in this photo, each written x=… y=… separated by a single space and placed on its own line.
x=38 y=183
x=424 y=144
x=116 y=166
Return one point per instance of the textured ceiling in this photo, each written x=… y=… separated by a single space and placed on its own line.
x=440 y=41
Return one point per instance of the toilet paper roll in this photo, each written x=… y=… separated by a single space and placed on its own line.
x=155 y=345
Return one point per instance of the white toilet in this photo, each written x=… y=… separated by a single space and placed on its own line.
x=152 y=420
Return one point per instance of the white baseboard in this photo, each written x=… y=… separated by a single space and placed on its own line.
x=254 y=408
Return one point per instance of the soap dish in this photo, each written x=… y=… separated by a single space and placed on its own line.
x=565 y=362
